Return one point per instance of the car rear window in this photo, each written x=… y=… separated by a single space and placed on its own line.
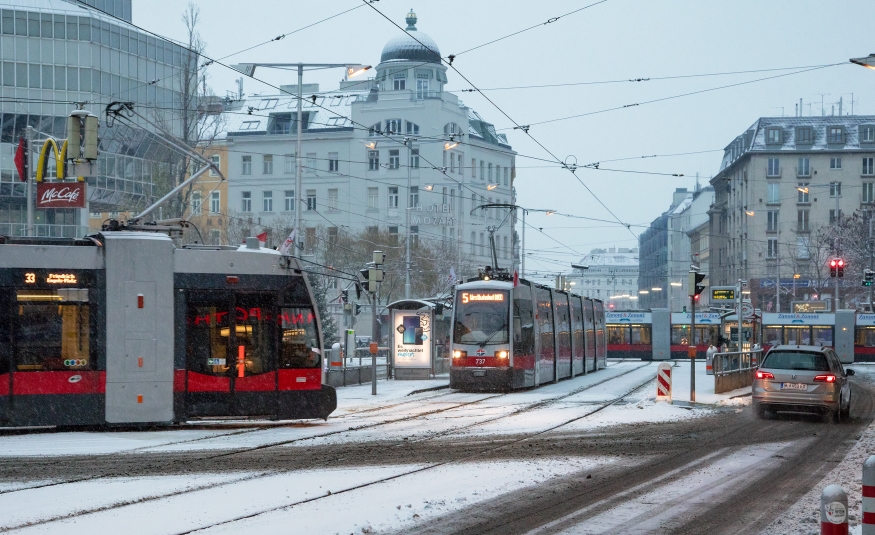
x=796 y=360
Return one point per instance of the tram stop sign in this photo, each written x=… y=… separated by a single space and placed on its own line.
x=746 y=310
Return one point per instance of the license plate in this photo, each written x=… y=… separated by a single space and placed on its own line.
x=793 y=386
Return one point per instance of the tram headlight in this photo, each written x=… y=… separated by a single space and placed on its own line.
x=457 y=354
x=501 y=354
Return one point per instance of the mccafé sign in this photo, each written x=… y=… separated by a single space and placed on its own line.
x=60 y=195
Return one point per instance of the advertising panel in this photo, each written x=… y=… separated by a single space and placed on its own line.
x=60 y=195
x=411 y=338
x=789 y=318
x=702 y=318
x=627 y=317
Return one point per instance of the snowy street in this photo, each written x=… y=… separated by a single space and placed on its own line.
x=593 y=454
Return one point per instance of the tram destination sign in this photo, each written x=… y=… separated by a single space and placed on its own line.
x=723 y=293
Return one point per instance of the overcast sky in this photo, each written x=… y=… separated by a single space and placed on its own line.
x=614 y=40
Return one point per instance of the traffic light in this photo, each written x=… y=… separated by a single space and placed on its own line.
x=344 y=296
x=833 y=267
x=358 y=309
x=841 y=267
x=868 y=277
x=695 y=283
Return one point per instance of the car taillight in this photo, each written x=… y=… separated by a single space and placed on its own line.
x=765 y=375
x=459 y=354
x=827 y=378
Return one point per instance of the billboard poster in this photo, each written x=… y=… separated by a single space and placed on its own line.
x=411 y=338
x=60 y=195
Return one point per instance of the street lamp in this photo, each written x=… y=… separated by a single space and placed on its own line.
x=352 y=69
x=868 y=61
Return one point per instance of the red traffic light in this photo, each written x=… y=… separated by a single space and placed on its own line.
x=833 y=263
x=841 y=263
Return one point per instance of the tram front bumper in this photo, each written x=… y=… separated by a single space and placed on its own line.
x=481 y=379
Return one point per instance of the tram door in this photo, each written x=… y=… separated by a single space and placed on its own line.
x=231 y=346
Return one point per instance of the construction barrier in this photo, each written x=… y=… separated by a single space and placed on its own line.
x=663 y=382
x=833 y=511
x=869 y=496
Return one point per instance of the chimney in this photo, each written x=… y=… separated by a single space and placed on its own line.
x=840 y=105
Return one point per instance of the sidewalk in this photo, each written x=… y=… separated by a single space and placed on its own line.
x=680 y=375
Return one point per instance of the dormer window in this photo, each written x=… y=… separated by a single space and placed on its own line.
x=773 y=136
x=412 y=128
x=867 y=134
x=804 y=135
x=374 y=130
x=393 y=126
x=835 y=134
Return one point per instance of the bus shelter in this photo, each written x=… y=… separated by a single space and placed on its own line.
x=418 y=338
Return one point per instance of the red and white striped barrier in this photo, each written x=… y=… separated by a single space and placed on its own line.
x=663 y=382
x=833 y=511
x=869 y=496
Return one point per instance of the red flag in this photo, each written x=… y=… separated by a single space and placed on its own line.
x=262 y=237
x=516 y=279
x=21 y=160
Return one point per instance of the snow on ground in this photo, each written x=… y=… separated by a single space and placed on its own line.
x=804 y=516
x=266 y=501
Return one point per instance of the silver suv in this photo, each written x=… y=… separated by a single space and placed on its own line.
x=802 y=379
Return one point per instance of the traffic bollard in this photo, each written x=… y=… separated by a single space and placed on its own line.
x=833 y=511
x=663 y=382
x=869 y=496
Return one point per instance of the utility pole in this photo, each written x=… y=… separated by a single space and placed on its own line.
x=373 y=277
x=299 y=195
x=696 y=288
x=28 y=134
x=407 y=142
x=871 y=257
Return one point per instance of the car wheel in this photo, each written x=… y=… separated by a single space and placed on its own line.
x=838 y=413
x=846 y=412
x=762 y=413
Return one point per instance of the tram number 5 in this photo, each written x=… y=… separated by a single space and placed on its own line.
x=30 y=278
x=479 y=362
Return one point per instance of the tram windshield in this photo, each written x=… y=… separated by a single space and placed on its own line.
x=481 y=317
x=300 y=338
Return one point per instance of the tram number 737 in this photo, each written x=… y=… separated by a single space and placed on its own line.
x=479 y=362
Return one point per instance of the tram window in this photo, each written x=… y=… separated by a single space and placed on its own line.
x=706 y=334
x=640 y=334
x=53 y=330
x=797 y=335
x=865 y=336
x=255 y=326
x=822 y=335
x=299 y=338
x=619 y=335
x=208 y=329
x=523 y=322
x=680 y=335
x=772 y=335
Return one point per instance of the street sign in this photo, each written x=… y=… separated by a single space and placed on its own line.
x=746 y=310
x=722 y=293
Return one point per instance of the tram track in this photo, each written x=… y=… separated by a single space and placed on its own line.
x=208 y=486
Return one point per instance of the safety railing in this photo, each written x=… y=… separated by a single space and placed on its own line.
x=734 y=369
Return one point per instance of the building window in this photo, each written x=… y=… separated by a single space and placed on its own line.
x=868 y=192
x=804 y=168
x=414 y=233
x=214 y=202
x=393 y=126
x=311 y=200
x=835 y=134
x=393 y=234
x=393 y=197
x=506 y=248
x=803 y=135
x=802 y=221
x=473 y=243
x=867 y=134
x=289 y=164
x=332 y=240
x=333 y=162
x=311 y=163
x=773 y=193
x=835 y=189
x=835 y=163
x=482 y=245
x=490 y=172
x=473 y=168
x=482 y=170
x=452 y=163
x=869 y=166
x=444 y=195
x=374 y=130
x=290 y=200
x=196 y=203
x=453 y=201
x=772 y=221
x=373 y=199
x=802 y=250
x=774 y=168
x=832 y=215
x=394 y=159
x=246 y=167
x=414 y=158
x=215 y=160
x=803 y=191
x=332 y=200
x=412 y=128
x=373 y=160
x=399 y=84
x=421 y=88
x=267 y=164
x=245 y=201
x=414 y=197
x=215 y=237
x=506 y=175
x=267 y=201
x=773 y=136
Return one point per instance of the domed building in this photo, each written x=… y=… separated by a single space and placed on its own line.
x=372 y=148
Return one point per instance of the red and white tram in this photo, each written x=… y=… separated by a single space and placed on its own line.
x=125 y=328
x=507 y=337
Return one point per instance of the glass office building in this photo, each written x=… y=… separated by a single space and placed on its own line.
x=54 y=53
